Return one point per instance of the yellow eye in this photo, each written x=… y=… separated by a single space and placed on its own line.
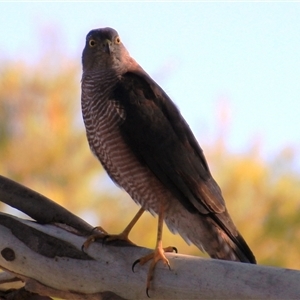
x=92 y=43
x=117 y=40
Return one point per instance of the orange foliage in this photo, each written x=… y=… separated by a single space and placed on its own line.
x=43 y=145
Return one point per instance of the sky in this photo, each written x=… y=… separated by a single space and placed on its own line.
x=242 y=58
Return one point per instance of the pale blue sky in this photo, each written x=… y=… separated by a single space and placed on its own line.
x=247 y=53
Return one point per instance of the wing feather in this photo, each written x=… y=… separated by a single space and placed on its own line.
x=161 y=139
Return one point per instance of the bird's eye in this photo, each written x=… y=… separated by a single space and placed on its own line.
x=92 y=43
x=118 y=40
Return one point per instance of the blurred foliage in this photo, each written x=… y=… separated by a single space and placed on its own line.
x=43 y=146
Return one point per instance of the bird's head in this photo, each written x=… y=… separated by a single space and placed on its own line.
x=103 y=50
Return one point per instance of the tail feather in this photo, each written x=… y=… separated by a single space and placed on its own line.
x=231 y=240
x=236 y=250
x=211 y=233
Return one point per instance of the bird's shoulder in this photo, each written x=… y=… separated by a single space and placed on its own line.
x=138 y=88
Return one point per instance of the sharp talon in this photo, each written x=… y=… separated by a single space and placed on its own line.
x=147 y=292
x=82 y=248
x=175 y=249
x=169 y=266
x=134 y=264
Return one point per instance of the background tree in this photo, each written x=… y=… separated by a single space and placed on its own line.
x=43 y=146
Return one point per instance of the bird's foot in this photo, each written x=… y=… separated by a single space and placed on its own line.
x=123 y=236
x=155 y=256
x=100 y=234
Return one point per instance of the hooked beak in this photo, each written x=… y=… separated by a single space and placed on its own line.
x=107 y=46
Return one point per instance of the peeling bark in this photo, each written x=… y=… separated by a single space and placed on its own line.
x=46 y=256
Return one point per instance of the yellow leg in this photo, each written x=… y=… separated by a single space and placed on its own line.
x=112 y=237
x=125 y=233
x=158 y=253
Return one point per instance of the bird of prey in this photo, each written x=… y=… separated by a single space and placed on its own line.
x=148 y=149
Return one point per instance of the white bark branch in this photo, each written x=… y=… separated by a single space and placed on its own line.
x=48 y=258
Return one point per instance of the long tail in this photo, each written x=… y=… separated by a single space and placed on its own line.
x=231 y=243
x=212 y=233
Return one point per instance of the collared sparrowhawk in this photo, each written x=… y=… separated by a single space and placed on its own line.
x=148 y=149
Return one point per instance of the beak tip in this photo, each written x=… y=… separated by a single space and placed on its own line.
x=107 y=47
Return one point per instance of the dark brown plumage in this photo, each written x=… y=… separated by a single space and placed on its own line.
x=148 y=149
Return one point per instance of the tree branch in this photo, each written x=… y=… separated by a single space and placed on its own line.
x=38 y=207
x=48 y=259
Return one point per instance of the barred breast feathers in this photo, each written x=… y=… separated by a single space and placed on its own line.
x=102 y=117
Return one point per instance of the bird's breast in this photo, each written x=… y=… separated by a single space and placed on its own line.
x=102 y=119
